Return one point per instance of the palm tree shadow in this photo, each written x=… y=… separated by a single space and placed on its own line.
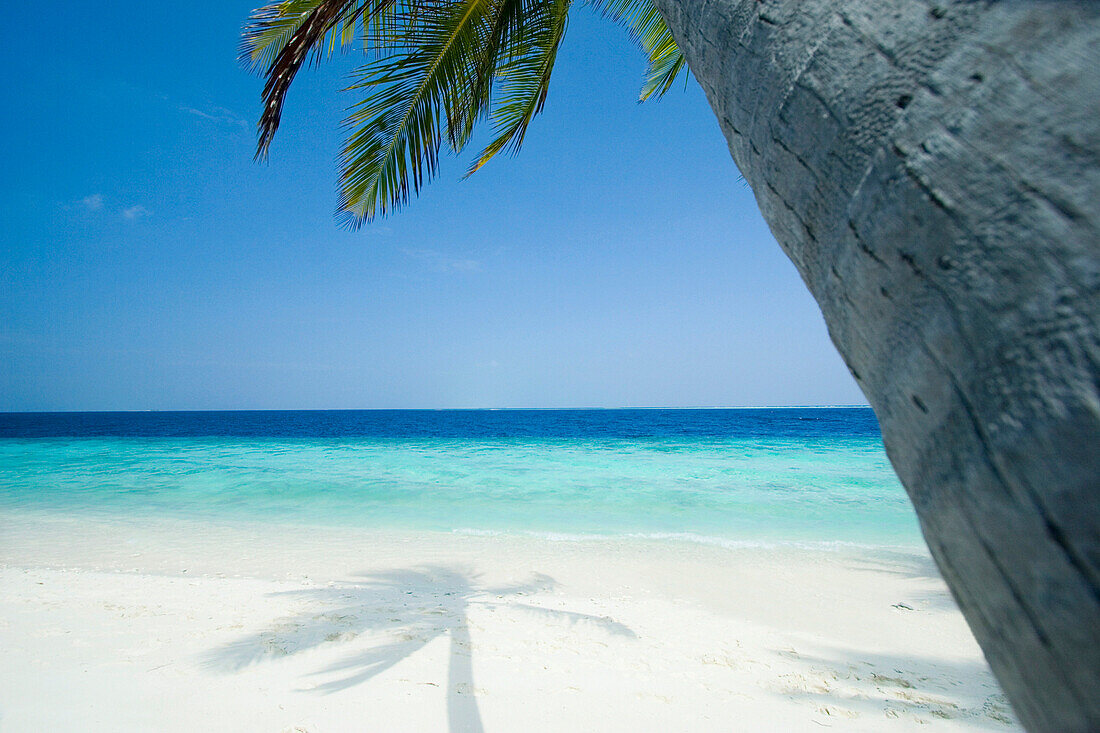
x=411 y=607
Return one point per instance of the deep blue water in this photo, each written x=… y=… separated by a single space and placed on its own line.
x=646 y=424
x=759 y=475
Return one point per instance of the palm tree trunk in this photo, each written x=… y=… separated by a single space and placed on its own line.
x=933 y=170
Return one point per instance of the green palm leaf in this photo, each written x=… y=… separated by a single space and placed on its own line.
x=282 y=36
x=525 y=81
x=441 y=66
x=647 y=27
x=505 y=39
x=396 y=131
x=270 y=28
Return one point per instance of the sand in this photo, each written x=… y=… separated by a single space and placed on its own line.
x=185 y=626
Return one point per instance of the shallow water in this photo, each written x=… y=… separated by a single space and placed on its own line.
x=716 y=476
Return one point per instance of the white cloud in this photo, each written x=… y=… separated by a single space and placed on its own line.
x=441 y=262
x=218 y=114
x=136 y=211
x=92 y=203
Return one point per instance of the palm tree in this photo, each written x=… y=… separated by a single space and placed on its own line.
x=932 y=167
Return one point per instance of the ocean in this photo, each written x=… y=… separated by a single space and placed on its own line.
x=718 y=476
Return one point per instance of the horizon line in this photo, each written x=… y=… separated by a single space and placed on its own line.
x=443 y=409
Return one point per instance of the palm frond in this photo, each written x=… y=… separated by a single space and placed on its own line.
x=525 y=81
x=438 y=68
x=503 y=41
x=412 y=96
x=666 y=63
x=647 y=27
x=281 y=36
x=269 y=28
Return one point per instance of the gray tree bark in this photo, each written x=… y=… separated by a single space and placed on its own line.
x=933 y=170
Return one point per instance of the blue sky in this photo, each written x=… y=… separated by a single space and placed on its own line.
x=147 y=263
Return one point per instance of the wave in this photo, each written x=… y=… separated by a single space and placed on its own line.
x=686 y=537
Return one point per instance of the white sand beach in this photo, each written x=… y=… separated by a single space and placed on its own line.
x=110 y=626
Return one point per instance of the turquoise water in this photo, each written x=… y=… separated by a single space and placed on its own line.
x=715 y=476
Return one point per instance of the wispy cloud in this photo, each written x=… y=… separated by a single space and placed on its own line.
x=137 y=211
x=441 y=262
x=220 y=115
x=91 y=203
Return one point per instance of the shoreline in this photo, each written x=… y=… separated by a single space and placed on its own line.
x=331 y=629
x=37 y=521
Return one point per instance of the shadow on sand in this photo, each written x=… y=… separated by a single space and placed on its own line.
x=411 y=608
x=909 y=565
x=845 y=683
